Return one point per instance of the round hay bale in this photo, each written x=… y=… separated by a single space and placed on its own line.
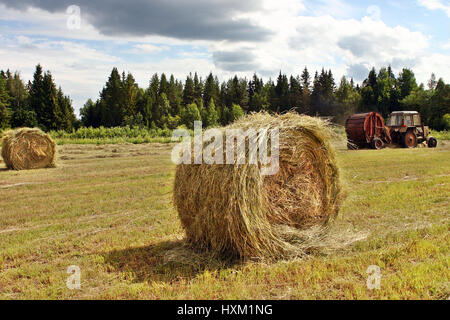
x=235 y=210
x=27 y=148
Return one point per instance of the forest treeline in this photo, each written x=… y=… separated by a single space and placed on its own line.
x=37 y=104
x=168 y=103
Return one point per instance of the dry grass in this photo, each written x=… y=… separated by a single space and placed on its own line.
x=114 y=218
x=27 y=148
x=236 y=211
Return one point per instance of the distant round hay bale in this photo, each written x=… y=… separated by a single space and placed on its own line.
x=27 y=148
x=235 y=210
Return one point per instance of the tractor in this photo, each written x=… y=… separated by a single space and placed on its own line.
x=407 y=129
x=404 y=128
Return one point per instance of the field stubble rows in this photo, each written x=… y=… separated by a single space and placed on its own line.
x=108 y=209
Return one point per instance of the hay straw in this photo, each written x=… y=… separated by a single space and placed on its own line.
x=27 y=148
x=235 y=211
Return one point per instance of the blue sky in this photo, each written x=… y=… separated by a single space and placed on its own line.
x=226 y=37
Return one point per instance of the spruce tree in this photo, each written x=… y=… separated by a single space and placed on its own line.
x=88 y=114
x=198 y=89
x=440 y=105
x=111 y=101
x=174 y=95
x=68 y=120
x=130 y=90
x=17 y=91
x=282 y=91
x=4 y=103
x=306 y=88
x=295 y=94
x=153 y=97
x=163 y=85
x=189 y=91
x=51 y=117
x=37 y=96
x=210 y=90
x=164 y=110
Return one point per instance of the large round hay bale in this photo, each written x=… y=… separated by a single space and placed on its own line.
x=27 y=148
x=235 y=210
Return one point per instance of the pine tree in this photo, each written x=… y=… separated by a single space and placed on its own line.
x=130 y=90
x=37 y=96
x=198 y=89
x=163 y=85
x=189 y=91
x=348 y=100
x=4 y=103
x=112 y=100
x=282 y=91
x=440 y=105
x=51 y=118
x=21 y=114
x=17 y=91
x=65 y=121
x=23 y=118
x=257 y=98
x=306 y=91
x=143 y=106
x=369 y=92
x=407 y=83
x=174 y=95
x=89 y=114
x=153 y=103
x=272 y=97
x=295 y=94
x=211 y=90
x=164 y=110
x=315 y=95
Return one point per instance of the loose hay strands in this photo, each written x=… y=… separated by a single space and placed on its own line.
x=236 y=211
x=28 y=148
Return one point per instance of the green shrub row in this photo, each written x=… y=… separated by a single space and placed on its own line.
x=112 y=133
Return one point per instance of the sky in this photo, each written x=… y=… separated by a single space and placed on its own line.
x=80 y=41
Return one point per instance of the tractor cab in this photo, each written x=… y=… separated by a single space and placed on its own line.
x=405 y=119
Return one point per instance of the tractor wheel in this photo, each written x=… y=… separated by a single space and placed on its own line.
x=410 y=139
x=377 y=144
x=432 y=142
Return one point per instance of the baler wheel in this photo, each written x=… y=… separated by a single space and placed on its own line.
x=377 y=144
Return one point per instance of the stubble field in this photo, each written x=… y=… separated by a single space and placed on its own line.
x=108 y=210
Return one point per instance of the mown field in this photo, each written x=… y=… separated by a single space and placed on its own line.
x=108 y=209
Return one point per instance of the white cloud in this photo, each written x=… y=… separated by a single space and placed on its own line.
x=330 y=42
x=35 y=21
x=82 y=71
x=435 y=5
x=334 y=8
x=149 y=48
x=439 y=64
x=77 y=68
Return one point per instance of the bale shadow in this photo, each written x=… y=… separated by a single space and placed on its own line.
x=166 y=262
